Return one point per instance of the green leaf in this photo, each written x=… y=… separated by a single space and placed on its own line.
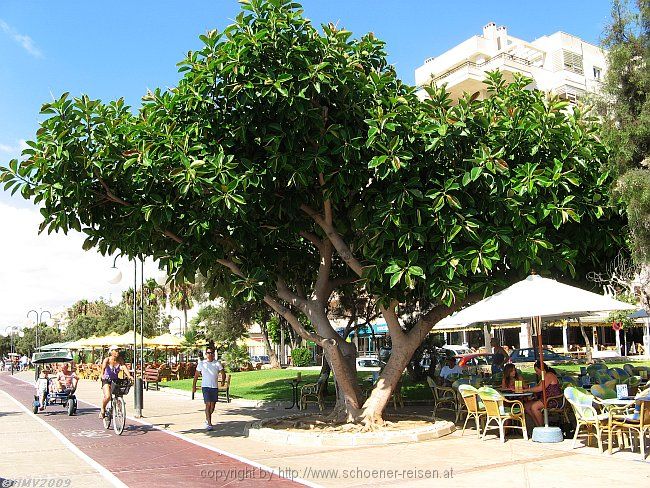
x=416 y=271
x=395 y=278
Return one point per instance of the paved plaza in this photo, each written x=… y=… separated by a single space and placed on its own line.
x=171 y=447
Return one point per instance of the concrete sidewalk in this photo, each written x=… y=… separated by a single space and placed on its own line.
x=31 y=453
x=449 y=461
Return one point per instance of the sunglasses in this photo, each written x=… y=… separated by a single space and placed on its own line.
x=209 y=352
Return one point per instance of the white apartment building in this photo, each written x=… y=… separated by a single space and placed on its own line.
x=559 y=63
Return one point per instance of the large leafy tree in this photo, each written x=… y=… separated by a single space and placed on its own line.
x=627 y=124
x=220 y=324
x=289 y=162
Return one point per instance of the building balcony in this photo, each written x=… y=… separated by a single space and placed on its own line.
x=468 y=77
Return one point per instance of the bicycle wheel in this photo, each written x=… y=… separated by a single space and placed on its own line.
x=119 y=415
x=107 y=416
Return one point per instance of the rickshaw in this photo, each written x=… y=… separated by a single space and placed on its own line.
x=64 y=398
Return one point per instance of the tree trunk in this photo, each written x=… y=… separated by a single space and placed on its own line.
x=273 y=358
x=401 y=354
x=325 y=372
x=341 y=356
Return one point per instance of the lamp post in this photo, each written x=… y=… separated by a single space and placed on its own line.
x=11 y=331
x=114 y=279
x=39 y=319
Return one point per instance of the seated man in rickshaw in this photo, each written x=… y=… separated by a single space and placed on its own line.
x=66 y=379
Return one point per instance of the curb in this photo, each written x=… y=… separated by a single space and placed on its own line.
x=257 y=431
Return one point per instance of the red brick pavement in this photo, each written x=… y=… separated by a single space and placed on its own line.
x=143 y=455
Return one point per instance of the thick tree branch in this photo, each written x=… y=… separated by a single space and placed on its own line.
x=339 y=244
x=313 y=238
x=435 y=315
x=232 y=267
x=327 y=204
x=171 y=235
x=288 y=296
x=109 y=193
x=394 y=327
x=323 y=288
x=293 y=321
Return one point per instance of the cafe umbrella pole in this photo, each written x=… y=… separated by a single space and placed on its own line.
x=544 y=434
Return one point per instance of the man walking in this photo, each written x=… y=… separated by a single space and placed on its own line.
x=209 y=368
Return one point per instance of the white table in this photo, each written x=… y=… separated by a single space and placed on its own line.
x=618 y=401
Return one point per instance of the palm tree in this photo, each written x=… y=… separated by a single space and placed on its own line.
x=181 y=297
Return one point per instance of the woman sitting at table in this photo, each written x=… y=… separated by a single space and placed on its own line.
x=510 y=375
x=553 y=389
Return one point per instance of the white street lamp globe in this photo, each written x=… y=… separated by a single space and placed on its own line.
x=114 y=276
x=161 y=277
x=21 y=334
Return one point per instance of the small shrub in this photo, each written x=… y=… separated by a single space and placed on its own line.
x=301 y=356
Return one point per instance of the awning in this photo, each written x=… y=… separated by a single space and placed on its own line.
x=368 y=330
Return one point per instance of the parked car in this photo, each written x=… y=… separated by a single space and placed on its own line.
x=255 y=360
x=475 y=359
x=368 y=363
x=529 y=355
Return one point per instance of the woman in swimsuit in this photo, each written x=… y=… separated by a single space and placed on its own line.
x=534 y=407
x=111 y=368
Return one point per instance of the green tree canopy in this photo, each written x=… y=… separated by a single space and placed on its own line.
x=288 y=162
x=220 y=325
x=627 y=127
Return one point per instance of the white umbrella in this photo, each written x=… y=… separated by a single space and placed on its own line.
x=533 y=297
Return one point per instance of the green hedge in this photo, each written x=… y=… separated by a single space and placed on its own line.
x=301 y=356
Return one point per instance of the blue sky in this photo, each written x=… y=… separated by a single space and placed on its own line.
x=122 y=47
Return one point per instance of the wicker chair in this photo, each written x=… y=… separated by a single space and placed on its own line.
x=475 y=408
x=586 y=415
x=444 y=397
x=495 y=407
x=636 y=420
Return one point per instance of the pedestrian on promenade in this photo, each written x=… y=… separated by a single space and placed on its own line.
x=209 y=368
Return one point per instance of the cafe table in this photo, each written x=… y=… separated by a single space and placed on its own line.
x=511 y=395
x=629 y=400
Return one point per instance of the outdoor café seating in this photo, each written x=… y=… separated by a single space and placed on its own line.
x=587 y=416
x=633 y=419
x=499 y=410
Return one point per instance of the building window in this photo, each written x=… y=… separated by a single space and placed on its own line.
x=573 y=62
x=597 y=73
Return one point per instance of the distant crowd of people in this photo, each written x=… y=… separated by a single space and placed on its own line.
x=19 y=363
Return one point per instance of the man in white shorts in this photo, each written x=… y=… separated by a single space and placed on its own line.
x=209 y=368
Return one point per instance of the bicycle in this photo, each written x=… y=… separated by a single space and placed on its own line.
x=116 y=408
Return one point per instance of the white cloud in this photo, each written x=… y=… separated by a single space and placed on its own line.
x=26 y=42
x=50 y=272
x=13 y=151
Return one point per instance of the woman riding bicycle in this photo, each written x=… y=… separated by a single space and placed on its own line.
x=111 y=368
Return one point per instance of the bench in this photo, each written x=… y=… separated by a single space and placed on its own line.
x=151 y=375
x=224 y=389
x=313 y=393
